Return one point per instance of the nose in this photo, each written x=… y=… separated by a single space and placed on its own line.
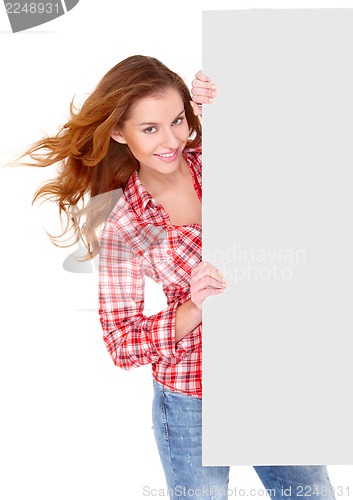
x=169 y=140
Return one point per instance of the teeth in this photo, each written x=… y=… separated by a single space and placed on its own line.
x=167 y=155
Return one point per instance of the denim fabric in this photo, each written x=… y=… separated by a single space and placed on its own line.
x=177 y=426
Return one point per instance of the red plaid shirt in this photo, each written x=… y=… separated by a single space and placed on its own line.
x=139 y=240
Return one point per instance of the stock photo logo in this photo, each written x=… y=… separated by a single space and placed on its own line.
x=149 y=237
x=24 y=15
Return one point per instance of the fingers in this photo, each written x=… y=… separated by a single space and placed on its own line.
x=200 y=75
x=202 y=99
x=198 y=298
x=207 y=286
x=203 y=95
x=202 y=89
x=205 y=280
x=206 y=275
x=204 y=84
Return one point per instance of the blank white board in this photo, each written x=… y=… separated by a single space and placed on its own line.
x=277 y=220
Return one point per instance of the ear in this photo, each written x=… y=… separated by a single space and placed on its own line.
x=118 y=137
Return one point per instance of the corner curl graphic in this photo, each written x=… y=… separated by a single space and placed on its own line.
x=24 y=15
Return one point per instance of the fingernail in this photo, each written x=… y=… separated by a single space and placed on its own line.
x=214 y=87
x=210 y=100
x=215 y=94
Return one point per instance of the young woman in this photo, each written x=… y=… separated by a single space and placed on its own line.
x=139 y=131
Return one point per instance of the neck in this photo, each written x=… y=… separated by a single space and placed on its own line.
x=156 y=182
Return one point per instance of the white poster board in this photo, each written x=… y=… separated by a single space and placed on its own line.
x=277 y=220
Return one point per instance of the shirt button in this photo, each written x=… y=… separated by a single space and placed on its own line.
x=168 y=252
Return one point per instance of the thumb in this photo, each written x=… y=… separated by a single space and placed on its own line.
x=197 y=108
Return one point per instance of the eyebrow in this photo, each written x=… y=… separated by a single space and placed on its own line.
x=155 y=123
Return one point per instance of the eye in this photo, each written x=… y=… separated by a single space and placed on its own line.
x=149 y=130
x=178 y=121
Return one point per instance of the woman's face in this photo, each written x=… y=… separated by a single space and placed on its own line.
x=156 y=132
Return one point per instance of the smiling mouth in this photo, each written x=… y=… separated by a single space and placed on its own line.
x=168 y=155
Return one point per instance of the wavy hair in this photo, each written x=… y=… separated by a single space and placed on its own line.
x=91 y=163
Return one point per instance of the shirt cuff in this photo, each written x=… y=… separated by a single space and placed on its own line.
x=162 y=333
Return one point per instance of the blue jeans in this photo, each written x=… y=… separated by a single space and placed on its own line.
x=177 y=428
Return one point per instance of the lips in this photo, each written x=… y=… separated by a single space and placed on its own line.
x=168 y=157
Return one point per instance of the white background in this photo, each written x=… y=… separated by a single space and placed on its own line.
x=73 y=425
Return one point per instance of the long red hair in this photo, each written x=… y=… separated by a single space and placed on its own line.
x=91 y=163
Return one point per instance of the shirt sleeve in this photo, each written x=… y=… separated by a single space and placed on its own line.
x=131 y=338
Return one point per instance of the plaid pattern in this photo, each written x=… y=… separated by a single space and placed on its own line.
x=139 y=240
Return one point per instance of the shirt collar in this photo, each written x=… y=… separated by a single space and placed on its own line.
x=137 y=195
